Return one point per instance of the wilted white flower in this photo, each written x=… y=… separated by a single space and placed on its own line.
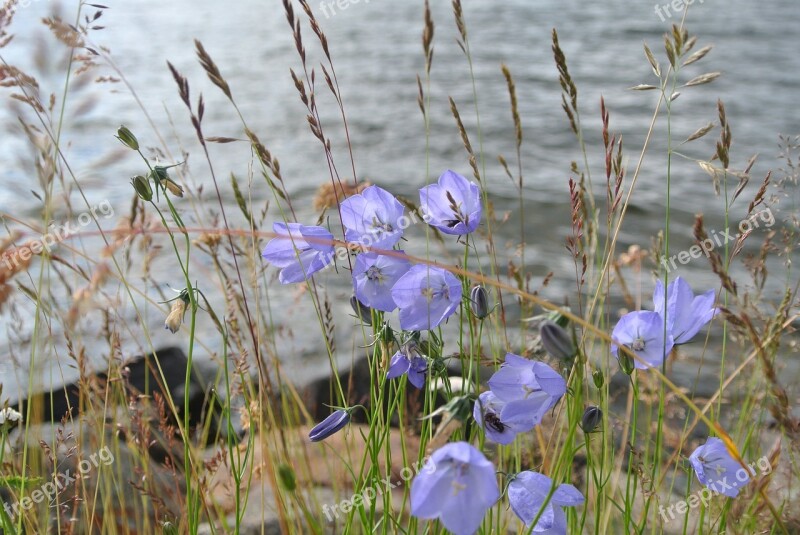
x=175 y=317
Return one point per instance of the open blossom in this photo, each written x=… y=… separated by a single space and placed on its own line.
x=453 y=204
x=716 y=468
x=409 y=361
x=522 y=379
x=522 y=391
x=372 y=218
x=502 y=421
x=685 y=313
x=643 y=333
x=427 y=295
x=299 y=251
x=457 y=486
x=373 y=278
x=527 y=494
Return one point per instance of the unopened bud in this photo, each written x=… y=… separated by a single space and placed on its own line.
x=598 y=378
x=127 y=138
x=142 y=187
x=592 y=417
x=479 y=302
x=557 y=341
x=363 y=312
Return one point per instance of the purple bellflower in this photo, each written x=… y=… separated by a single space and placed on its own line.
x=457 y=485
x=520 y=379
x=453 y=204
x=685 y=313
x=502 y=421
x=528 y=492
x=372 y=218
x=643 y=333
x=427 y=296
x=299 y=251
x=409 y=361
x=373 y=278
x=330 y=425
x=717 y=469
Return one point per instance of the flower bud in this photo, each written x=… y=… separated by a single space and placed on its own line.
x=598 y=379
x=592 y=417
x=479 y=302
x=127 y=138
x=363 y=312
x=556 y=341
x=330 y=425
x=625 y=362
x=142 y=187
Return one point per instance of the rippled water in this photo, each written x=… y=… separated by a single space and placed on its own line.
x=377 y=55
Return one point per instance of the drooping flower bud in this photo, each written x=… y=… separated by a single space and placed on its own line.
x=479 y=302
x=557 y=341
x=592 y=417
x=597 y=377
x=127 y=138
x=330 y=425
x=142 y=187
x=363 y=312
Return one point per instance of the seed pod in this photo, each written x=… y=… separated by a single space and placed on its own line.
x=127 y=138
x=625 y=362
x=557 y=341
x=479 y=302
x=592 y=417
x=142 y=187
x=598 y=379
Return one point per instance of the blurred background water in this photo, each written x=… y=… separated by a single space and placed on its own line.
x=377 y=53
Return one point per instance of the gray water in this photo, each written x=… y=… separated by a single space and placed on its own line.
x=377 y=54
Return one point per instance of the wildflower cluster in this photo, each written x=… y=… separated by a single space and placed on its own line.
x=383 y=277
x=461 y=484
